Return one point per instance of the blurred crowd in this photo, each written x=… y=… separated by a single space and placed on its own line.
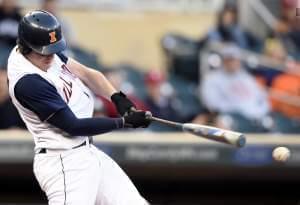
x=228 y=78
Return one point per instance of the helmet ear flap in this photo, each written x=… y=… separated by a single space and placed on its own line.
x=22 y=47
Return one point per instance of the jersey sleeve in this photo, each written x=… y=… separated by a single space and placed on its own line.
x=38 y=95
x=63 y=57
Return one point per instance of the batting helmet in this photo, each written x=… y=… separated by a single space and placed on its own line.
x=41 y=32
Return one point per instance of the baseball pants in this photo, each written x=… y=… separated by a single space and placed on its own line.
x=84 y=175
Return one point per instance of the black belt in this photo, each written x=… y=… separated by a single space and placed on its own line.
x=44 y=150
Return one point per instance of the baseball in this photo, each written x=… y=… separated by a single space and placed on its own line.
x=281 y=154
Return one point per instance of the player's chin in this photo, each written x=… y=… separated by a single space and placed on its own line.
x=47 y=64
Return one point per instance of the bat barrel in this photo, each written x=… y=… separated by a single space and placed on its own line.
x=212 y=133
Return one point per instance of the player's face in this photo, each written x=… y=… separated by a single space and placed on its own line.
x=41 y=61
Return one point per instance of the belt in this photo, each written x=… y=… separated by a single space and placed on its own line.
x=44 y=150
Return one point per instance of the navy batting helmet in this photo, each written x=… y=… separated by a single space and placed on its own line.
x=41 y=32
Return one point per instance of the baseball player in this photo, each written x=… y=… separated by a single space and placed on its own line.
x=53 y=94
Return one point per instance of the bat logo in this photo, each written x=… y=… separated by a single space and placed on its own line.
x=52 y=37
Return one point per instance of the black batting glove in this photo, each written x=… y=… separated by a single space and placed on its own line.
x=137 y=119
x=122 y=103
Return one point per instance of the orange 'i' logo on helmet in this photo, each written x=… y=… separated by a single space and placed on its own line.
x=52 y=37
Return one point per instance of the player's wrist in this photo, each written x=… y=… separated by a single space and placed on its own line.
x=120 y=123
x=122 y=103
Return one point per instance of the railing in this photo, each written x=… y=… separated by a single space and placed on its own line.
x=263 y=12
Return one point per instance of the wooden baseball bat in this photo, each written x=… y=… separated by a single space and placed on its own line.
x=212 y=133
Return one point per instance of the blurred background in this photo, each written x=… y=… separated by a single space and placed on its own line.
x=233 y=64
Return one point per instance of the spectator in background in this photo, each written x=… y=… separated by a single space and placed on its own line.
x=277 y=59
x=282 y=77
x=235 y=95
x=288 y=27
x=285 y=98
x=9 y=115
x=9 y=21
x=161 y=100
x=105 y=106
x=228 y=29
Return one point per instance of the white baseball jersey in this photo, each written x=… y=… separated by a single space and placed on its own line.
x=67 y=173
x=75 y=94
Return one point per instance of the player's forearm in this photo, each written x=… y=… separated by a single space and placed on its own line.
x=65 y=120
x=99 y=84
x=94 y=79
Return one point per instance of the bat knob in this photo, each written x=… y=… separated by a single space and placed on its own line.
x=148 y=115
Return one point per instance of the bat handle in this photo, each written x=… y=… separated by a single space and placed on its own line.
x=159 y=120
x=163 y=121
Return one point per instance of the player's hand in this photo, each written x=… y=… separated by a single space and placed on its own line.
x=122 y=103
x=137 y=119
